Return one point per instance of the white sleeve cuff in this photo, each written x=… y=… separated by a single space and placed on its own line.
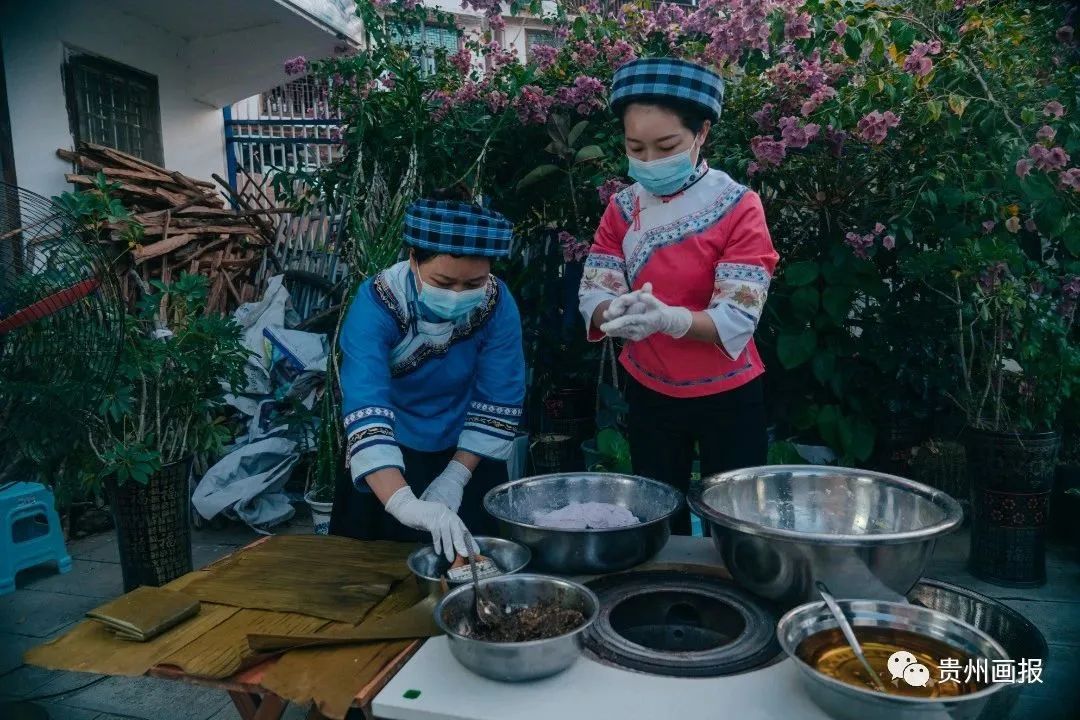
x=367 y=460
x=489 y=446
x=735 y=328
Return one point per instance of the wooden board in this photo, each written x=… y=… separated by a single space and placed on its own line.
x=90 y=647
x=324 y=576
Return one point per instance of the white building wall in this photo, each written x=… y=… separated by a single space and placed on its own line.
x=34 y=35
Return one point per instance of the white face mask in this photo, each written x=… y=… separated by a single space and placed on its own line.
x=664 y=176
x=448 y=304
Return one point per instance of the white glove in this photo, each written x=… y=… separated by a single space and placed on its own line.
x=656 y=317
x=448 y=533
x=449 y=486
x=626 y=304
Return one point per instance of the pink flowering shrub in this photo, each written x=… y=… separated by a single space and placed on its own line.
x=924 y=118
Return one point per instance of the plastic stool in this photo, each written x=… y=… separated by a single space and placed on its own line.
x=30 y=532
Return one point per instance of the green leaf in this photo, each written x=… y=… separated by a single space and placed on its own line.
x=797 y=348
x=1072 y=243
x=828 y=425
x=575 y=132
x=903 y=35
x=958 y=104
x=608 y=441
x=824 y=366
x=805 y=302
x=536 y=175
x=784 y=453
x=801 y=273
x=856 y=437
x=589 y=152
x=837 y=303
x=852 y=47
x=934 y=107
x=1028 y=115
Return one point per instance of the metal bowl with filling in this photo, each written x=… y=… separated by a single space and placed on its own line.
x=810 y=637
x=430 y=567
x=516 y=661
x=516 y=504
x=779 y=529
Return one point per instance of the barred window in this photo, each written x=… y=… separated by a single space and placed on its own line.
x=425 y=41
x=113 y=105
x=540 y=37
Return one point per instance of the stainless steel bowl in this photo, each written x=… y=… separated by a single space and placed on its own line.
x=849 y=702
x=865 y=534
x=516 y=504
x=521 y=661
x=1020 y=638
x=428 y=566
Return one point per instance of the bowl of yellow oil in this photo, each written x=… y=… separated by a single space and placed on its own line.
x=932 y=665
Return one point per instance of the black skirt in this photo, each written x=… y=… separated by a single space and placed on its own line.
x=359 y=514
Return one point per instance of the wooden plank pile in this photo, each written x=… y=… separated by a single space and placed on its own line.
x=187 y=226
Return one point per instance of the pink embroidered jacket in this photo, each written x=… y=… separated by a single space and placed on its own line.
x=706 y=248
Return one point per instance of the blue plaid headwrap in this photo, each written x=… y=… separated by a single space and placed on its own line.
x=457 y=228
x=668 y=78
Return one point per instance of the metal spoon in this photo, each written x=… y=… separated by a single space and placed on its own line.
x=487 y=612
x=849 y=633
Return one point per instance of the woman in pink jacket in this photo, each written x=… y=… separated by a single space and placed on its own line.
x=680 y=270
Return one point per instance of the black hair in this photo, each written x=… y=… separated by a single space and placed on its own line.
x=692 y=115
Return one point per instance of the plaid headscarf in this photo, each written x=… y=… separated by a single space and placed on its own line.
x=457 y=228
x=668 y=78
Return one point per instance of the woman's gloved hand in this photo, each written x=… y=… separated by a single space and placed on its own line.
x=652 y=316
x=449 y=486
x=626 y=304
x=448 y=534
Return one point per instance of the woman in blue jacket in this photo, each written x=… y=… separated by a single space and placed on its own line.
x=433 y=379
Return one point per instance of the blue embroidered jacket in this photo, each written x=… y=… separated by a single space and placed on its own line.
x=428 y=385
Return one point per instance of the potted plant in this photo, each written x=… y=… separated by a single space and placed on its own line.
x=158 y=413
x=1015 y=361
x=322 y=478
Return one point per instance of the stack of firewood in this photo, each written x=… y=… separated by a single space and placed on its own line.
x=187 y=226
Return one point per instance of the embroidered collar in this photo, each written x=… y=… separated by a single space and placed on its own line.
x=700 y=171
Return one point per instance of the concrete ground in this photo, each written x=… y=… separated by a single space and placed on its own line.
x=47 y=604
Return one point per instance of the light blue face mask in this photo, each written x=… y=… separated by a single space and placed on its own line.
x=449 y=304
x=665 y=176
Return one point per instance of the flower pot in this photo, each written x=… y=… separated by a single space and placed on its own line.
x=320 y=514
x=1012 y=476
x=153 y=526
x=550 y=453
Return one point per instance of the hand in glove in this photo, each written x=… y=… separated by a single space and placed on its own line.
x=449 y=486
x=448 y=533
x=626 y=304
x=655 y=317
